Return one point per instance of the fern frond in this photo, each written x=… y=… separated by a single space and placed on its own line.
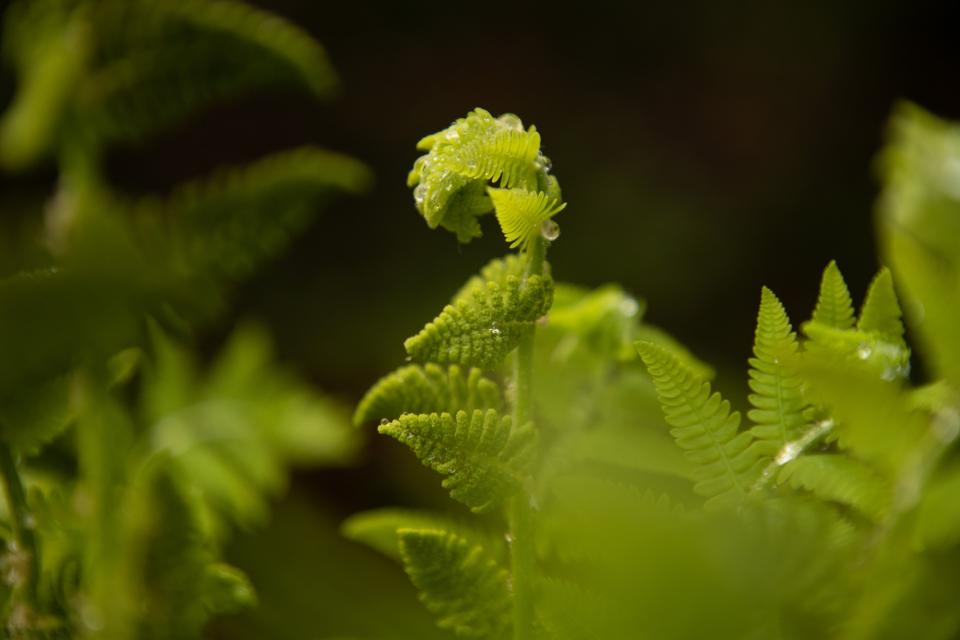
x=881 y=313
x=497 y=270
x=839 y=478
x=522 y=214
x=481 y=331
x=379 y=529
x=227 y=224
x=460 y=583
x=484 y=457
x=428 y=389
x=704 y=428
x=450 y=180
x=834 y=305
x=777 y=398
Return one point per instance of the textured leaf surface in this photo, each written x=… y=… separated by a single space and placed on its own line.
x=460 y=583
x=834 y=305
x=484 y=457
x=704 y=428
x=841 y=479
x=777 y=398
x=450 y=180
x=482 y=330
x=522 y=214
x=428 y=389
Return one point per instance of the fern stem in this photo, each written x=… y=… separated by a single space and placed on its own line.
x=522 y=548
x=22 y=556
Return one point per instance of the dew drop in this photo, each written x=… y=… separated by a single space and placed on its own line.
x=508 y=537
x=511 y=122
x=550 y=230
x=629 y=307
x=419 y=194
x=452 y=135
x=494 y=330
x=789 y=451
x=384 y=421
x=545 y=163
x=864 y=351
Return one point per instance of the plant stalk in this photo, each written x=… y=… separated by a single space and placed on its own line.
x=24 y=554
x=522 y=548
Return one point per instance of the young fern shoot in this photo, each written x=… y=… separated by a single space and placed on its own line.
x=453 y=419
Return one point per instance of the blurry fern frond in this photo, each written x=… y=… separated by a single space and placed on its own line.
x=428 y=389
x=704 y=428
x=450 y=181
x=462 y=584
x=123 y=68
x=484 y=456
x=778 y=410
x=841 y=479
x=482 y=330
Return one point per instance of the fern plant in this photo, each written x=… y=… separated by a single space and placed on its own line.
x=824 y=513
x=125 y=465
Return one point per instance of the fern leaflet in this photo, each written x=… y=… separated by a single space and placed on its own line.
x=522 y=214
x=839 y=478
x=834 y=305
x=482 y=330
x=881 y=313
x=778 y=413
x=484 y=457
x=462 y=584
x=704 y=428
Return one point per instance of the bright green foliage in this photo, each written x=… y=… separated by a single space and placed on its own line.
x=522 y=214
x=841 y=479
x=918 y=222
x=777 y=398
x=380 y=529
x=123 y=68
x=881 y=313
x=450 y=181
x=834 y=305
x=428 y=389
x=461 y=583
x=485 y=458
x=481 y=330
x=704 y=428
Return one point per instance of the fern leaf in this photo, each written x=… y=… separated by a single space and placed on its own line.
x=481 y=331
x=497 y=270
x=460 y=583
x=778 y=413
x=428 y=389
x=450 y=180
x=881 y=313
x=890 y=361
x=834 y=305
x=379 y=529
x=704 y=428
x=841 y=479
x=484 y=457
x=227 y=224
x=522 y=214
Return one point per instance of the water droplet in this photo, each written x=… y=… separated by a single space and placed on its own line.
x=629 y=307
x=508 y=537
x=419 y=193
x=789 y=451
x=494 y=329
x=452 y=135
x=550 y=230
x=864 y=351
x=545 y=163
x=511 y=121
x=384 y=421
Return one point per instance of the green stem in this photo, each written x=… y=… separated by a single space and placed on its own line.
x=23 y=536
x=522 y=548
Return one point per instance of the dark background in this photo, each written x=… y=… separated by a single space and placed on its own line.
x=705 y=149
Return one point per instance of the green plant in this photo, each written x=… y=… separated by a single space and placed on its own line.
x=830 y=514
x=127 y=463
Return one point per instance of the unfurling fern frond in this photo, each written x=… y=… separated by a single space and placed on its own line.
x=881 y=313
x=227 y=224
x=839 y=478
x=704 y=428
x=482 y=330
x=523 y=214
x=450 y=180
x=777 y=398
x=428 y=389
x=380 y=530
x=834 y=305
x=497 y=270
x=460 y=583
x=484 y=456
